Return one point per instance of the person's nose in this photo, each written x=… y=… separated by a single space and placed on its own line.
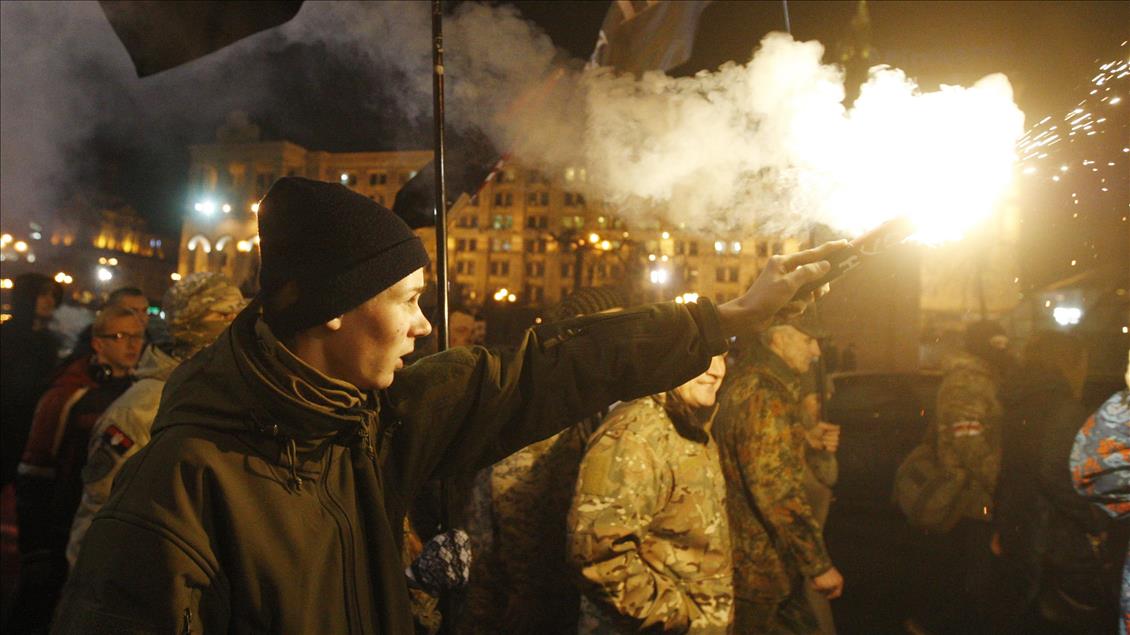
x=422 y=327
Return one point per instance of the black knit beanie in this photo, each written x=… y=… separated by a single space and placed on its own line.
x=326 y=249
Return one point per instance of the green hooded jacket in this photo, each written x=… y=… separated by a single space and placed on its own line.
x=254 y=510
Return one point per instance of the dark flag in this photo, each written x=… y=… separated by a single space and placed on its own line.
x=162 y=35
x=471 y=158
x=645 y=35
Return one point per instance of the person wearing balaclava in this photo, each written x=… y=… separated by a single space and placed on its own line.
x=271 y=497
x=197 y=309
x=967 y=429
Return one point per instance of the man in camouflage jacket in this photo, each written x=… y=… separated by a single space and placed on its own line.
x=647 y=530
x=778 y=544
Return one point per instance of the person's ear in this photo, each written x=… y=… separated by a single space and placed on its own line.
x=334 y=324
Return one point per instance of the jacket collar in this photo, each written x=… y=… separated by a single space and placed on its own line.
x=759 y=359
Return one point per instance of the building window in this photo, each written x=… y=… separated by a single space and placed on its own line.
x=503 y=199
x=500 y=267
x=566 y=270
x=574 y=199
x=720 y=274
x=465 y=267
x=500 y=244
x=348 y=178
x=778 y=248
x=680 y=247
x=692 y=248
x=502 y=221
x=535 y=269
x=467 y=220
x=762 y=249
x=378 y=178
x=533 y=176
x=573 y=222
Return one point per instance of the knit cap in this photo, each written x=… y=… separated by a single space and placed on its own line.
x=325 y=250
x=190 y=301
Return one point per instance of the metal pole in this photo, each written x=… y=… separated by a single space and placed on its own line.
x=788 y=22
x=441 y=183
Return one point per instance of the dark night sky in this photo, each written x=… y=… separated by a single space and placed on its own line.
x=324 y=102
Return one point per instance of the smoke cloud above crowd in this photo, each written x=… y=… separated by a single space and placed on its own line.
x=766 y=143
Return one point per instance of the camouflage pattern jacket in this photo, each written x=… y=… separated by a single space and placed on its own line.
x=517 y=527
x=761 y=442
x=647 y=530
x=967 y=429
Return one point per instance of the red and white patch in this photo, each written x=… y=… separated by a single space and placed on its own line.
x=967 y=428
x=117 y=440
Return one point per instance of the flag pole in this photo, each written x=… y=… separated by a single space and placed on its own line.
x=441 y=183
x=447 y=602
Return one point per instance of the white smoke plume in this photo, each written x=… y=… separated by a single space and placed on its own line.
x=767 y=143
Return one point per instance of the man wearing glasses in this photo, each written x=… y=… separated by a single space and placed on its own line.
x=49 y=481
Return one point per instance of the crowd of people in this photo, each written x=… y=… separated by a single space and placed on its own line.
x=274 y=464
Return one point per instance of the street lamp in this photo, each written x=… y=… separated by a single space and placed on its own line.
x=104 y=275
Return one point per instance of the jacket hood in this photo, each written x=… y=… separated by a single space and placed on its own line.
x=155 y=364
x=233 y=385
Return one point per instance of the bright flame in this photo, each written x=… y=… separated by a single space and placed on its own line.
x=1067 y=315
x=943 y=159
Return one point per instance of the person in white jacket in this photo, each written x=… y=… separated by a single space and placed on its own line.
x=197 y=309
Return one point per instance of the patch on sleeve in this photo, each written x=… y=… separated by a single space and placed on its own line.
x=967 y=428
x=117 y=440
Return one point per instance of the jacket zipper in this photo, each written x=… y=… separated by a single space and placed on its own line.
x=338 y=512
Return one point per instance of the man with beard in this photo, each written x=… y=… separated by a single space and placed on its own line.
x=272 y=495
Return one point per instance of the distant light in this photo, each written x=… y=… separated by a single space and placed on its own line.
x=664 y=258
x=690 y=297
x=666 y=235
x=31 y=257
x=1115 y=100
x=255 y=208
x=227 y=208
x=659 y=276
x=593 y=238
x=20 y=246
x=206 y=208
x=104 y=275
x=113 y=262
x=512 y=297
x=501 y=294
x=651 y=257
x=5 y=283
x=62 y=278
x=102 y=260
x=605 y=245
x=1126 y=329
x=719 y=246
x=243 y=246
x=175 y=276
x=736 y=247
x=5 y=239
x=36 y=235
x=1067 y=315
x=344 y=177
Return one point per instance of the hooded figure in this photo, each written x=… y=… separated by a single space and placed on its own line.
x=29 y=353
x=272 y=494
x=197 y=309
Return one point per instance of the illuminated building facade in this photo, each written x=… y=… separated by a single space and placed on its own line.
x=526 y=238
x=92 y=245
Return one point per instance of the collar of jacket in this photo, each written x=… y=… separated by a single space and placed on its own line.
x=691 y=423
x=155 y=364
x=247 y=381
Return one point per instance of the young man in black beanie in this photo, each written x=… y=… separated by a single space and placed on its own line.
x=272 y=495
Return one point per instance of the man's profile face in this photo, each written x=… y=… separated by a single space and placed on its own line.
x=461 y=329
x=45 y=304
x=794 y=347
x=701 y=391
x=374 y=336
x=119 y=344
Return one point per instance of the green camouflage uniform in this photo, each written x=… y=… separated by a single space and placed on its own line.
x=778 y=543
x=967 y=429
x=517 y=527
x=647 y=530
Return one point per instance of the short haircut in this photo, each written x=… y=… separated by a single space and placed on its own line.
x=1055 y=352
x=108 y=313
x=125 y=292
